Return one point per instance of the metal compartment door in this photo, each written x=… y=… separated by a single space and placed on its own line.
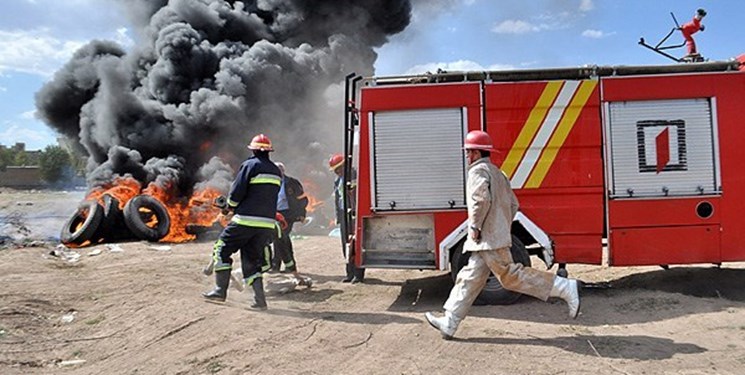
x=417 y=159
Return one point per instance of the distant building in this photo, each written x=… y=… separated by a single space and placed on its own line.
x=25 y=177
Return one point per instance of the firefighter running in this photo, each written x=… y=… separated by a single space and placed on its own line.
x=253 y=199
x=491 y=208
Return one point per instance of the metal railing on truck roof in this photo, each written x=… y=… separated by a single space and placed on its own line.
x=573 y=73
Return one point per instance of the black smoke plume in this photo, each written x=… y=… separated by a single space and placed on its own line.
x=206 y=76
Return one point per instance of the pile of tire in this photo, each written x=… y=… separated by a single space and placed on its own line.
x=143 y=218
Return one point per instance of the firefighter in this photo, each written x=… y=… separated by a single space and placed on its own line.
x=291 y=205
x=253 y=200
x=491 y=208
x=353 y=274
x=690 y=28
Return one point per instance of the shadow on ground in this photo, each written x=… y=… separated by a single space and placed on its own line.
x=627 y=300
x=618 y=347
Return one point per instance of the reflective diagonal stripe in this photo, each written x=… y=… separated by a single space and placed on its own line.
x=254 y=221
x=544 y=132
x=266 y=178
x=562 y=132
x=232 y=203
x=531 y=127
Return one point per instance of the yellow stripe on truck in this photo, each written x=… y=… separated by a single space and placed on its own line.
x=561 y=133
x=530 y=128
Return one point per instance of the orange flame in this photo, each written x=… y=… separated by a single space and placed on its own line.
x=311 y=192
x=121 y=188
x=178 y=210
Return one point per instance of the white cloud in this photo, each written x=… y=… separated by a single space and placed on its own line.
x=454 y=66
x=34 y=138
x=122 y=37
x=586 y=5
x=595 y=34
x=34 y=51
x=28 y=115
x=3 y=89
x=516 y=27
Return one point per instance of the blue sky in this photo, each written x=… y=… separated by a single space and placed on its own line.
x=38 y=36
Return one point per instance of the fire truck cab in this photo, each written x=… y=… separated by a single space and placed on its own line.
x=641 y=159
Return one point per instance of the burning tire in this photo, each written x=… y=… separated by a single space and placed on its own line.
x=147 y=218
x=82 y=226
x=493 y=293
x=112 y=226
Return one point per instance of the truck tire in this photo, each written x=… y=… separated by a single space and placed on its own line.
x=81 y=227
x=493 y=292
x=147 y=218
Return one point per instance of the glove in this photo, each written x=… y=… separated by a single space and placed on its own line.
x=702 y=28
x=281 y=220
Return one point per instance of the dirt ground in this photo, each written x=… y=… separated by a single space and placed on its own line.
x=139 y=311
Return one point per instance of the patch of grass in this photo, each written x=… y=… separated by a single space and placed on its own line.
x=96 y=320
x=3 y=332
x=77 y=353
x=215 y=367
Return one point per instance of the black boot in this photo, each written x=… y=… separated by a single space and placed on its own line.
x=350 y=273
x=259 y=297
x=359 y=275
x=222 y=280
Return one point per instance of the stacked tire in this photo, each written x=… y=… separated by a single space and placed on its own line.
x=143 y=217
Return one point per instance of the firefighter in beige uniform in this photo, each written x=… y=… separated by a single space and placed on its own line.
x=491 y=208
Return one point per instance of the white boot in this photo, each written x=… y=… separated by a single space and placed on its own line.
x=447 y=325
x=568 y=290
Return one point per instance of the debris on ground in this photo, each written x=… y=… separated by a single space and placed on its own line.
x=65 y=253
x=160 y=248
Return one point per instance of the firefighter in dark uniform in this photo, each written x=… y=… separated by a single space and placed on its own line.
x=253 y=200
x=353 y=274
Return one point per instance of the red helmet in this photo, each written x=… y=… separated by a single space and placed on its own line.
x=260 y=143
x=478 y=140
x=336 y=161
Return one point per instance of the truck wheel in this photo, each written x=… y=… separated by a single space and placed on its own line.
x=83 y=224
x=493 y=292
x=147 y=218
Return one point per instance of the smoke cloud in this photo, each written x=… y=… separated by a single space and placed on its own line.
x=206 y=76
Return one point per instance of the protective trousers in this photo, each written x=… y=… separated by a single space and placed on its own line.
x=250 y=241
x=283 y=251
x=513 y=276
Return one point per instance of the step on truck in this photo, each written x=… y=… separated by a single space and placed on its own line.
x=642 y=162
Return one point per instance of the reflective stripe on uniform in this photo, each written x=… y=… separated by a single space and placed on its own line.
x=250 y=280
x=267 y=259
x=254 y=221
x=232 y=203
x=219 y=265
x=266 y=178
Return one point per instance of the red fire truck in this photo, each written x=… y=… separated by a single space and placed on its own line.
x=641 y=159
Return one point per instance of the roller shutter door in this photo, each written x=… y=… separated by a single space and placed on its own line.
x=418 y=161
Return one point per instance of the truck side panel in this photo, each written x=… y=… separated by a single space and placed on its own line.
x=700 y=227
x=383 y=100
x=549 y=139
